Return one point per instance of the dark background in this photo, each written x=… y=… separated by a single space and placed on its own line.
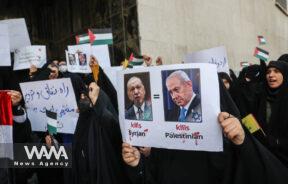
x=55 y=23
x=145 y=78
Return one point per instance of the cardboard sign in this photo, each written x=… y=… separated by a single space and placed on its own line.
x=151 y=106
x=217 y=56
x=30 y=55
x=53 y=95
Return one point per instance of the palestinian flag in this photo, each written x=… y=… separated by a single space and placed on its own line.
x=6 y=126
x=85 y=38
x=103 y=39
x=262 y=40
x=261 y=54
x=244 y=64
x=92 y=37
x=135 y=61
x=51 y=122
x=81 y=39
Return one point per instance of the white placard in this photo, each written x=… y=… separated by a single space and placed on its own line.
x=30 y=55
x=77 y=58
x=55 y=95
x=160 y=126
x=217 y=56
x=111 y=73
x=4 y=46
x=18 y=33
x=101 y=52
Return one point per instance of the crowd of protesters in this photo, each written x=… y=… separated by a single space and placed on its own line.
x=100 y=156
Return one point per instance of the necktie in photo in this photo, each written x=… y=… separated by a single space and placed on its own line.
x=140 y=113
x=182 y=115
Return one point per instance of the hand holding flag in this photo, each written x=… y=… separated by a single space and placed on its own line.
x=261 y=54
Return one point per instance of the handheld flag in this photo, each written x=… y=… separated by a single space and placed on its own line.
x=261 y=54
x=261 y=40
x=244 y=64
x=81 y=39
x=135 y=61
x=91 y=35
x=103 y=38
x=6 y=126
x=51 y=122
x=251 y=124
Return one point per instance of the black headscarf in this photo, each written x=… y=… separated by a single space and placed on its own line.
x=276 y=127
x=246 y=92
x=284 y=58
x=106 y=85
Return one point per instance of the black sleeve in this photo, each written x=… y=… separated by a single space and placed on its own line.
x=146 y=170
x=226 y=102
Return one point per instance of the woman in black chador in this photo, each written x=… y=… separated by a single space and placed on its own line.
x=272 y=113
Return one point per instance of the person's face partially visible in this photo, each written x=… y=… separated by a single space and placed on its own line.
x=136 y=91
x=180 y=92
x=274 y=78
x=226 y=83
x=82 y=58
x=54 y=72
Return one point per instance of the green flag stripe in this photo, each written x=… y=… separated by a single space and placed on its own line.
x=51 y=129
x=103 y=42
x=261 y=57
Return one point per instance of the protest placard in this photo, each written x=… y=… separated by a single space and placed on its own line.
x=111 y=73
x=217 y=56
x=18 y=33
x=4 y=46
x=54 y=95
x=101 y=52
x=150 y=117
x=30 y=55
x=78 y=57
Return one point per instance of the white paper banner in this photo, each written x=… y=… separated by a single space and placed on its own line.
x=217 y=56
x=54 y=95
x=18 y=33
x=4 y=46
x=111 y=73
x=101 y=52
x=30 y=55
x=160 y=124
x=77 y=58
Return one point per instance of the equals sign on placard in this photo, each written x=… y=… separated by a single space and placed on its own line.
x=156 y=96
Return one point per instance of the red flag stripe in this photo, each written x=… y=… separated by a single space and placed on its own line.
x=6 y=116
x=92 y=37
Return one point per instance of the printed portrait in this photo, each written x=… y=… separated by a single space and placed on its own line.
x=182 y=95
x=138 y=104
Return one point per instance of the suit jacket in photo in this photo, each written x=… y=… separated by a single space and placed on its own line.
x=194 y=112
x=147 y=114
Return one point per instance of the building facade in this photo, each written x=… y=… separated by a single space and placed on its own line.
x=172 y=28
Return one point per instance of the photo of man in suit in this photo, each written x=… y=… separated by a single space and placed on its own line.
x=141 y=108
x=187 y=102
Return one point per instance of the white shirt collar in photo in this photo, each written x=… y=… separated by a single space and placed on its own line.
x=187 y=105
x=136 y=109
